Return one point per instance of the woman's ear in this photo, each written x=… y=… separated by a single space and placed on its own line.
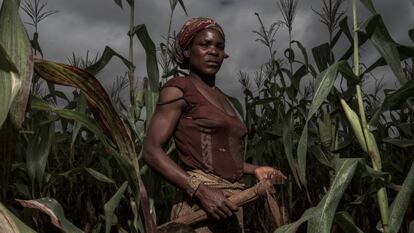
x=186 y=53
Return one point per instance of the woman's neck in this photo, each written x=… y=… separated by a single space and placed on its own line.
x=209 y=81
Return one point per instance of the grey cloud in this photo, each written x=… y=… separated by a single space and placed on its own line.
x=83 y=25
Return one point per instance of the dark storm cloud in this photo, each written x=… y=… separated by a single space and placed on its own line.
x=90 y=25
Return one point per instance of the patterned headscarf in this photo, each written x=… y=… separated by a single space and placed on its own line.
x=187 y=34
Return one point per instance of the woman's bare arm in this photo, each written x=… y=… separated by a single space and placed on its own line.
x=159 y=132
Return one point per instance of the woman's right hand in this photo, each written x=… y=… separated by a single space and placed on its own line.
x=214 y=202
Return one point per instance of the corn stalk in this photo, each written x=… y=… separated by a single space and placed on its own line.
x=131 y=52
x=366 y=138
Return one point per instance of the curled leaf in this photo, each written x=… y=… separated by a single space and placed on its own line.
x=52 y=208
x=355 y=124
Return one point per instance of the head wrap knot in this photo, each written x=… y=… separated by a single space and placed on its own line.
x=187 y=34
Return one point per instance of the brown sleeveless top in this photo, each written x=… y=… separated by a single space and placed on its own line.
x=206 y=137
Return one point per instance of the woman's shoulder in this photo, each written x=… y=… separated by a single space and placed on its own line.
x=179 y=82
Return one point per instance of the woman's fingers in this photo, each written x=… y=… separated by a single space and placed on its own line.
x=223 y=210
x=233 y=207
x=276 y=177
x=215 y=202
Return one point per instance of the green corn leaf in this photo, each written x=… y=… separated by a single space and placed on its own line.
x=264 y=101
x=173 y=4
x=287 y=142
x=151 y=55
x=375 y=179
x=394 y=101
x=290 y=55
x=325 y=130
x=303 y=50
x=298 y=75
x=80 y=108
x=106 y=57
x=237 y=105
x=151 y=99
x=38 y=152
x=302 y=153
x=348 y=73
x=10 y=84
x=98 y=100
x=401 y=202
x=323 y=85
x=404 y=51
x=411 y=230
x=108 y=119
x=14 y=88
x=37 y=104
x=385 y=45
x=6 y=64
x=344 y=172
x=55 y=211
x=293 y=227
x=349 y=52
x=118 y=2
x=320 y=155
x=411 y=34
x=111 y=205
x=183 y=6
x=353 y=120
x=322 y=56
x=35 y=43
x=59 y=94
x=372 y=145
x=369 y=5
x=320 y=218
x=346 y=222
x=404 y=143
x=343 y=25
x=99 y=176
x=12 y=224
x=140 y=99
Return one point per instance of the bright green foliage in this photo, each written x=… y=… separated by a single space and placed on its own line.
x=323 y=85
x=111 y=205
x=320 y=218
x=394 y=101
x=14 y=86
x=106 y=116
x=355 y=124
x=401 y=201
x=385 y=45
x=151 y=55
x=9 y=84
x=38 y=104
x=38 y=151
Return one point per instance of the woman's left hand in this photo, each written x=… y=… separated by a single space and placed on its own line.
x=268 y=173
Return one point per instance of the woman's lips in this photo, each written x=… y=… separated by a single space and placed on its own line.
x=213 y=63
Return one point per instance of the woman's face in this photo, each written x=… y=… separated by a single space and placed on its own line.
x=206 y=54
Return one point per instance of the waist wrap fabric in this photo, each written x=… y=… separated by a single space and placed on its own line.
x=185 y=205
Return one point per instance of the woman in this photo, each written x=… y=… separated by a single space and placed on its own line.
x=206 y=130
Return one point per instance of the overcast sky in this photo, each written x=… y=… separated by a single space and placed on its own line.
x=90 y=25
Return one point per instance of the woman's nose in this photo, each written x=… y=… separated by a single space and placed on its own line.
x=213 y=51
